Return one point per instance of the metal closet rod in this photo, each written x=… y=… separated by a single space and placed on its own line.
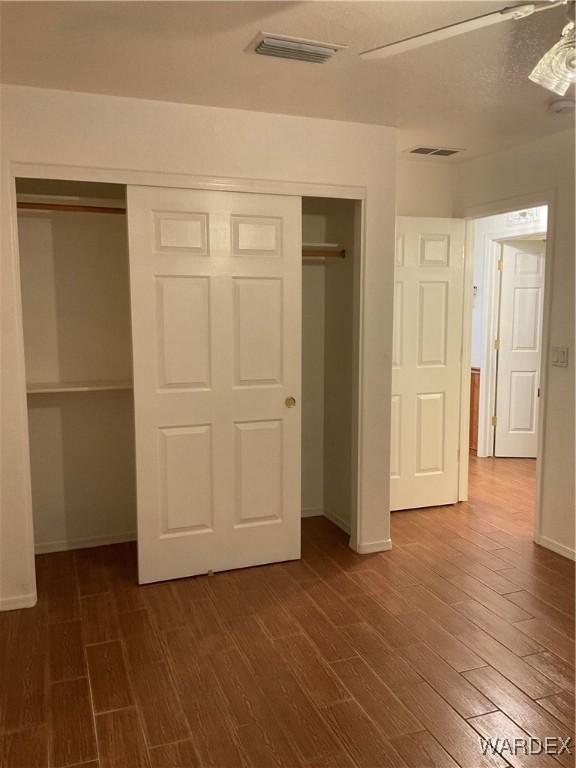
x=311 y=253
x=69 y=207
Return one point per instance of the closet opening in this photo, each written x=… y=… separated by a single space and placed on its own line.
x=331 y=248
x=76 y=302
x=74 y=277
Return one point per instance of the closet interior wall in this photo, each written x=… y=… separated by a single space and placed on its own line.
x=76 y=312
x=328 y=327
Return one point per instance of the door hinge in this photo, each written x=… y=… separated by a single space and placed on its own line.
x=497 y=344
x=538 y=393
x=500 y=265
x=494 y=421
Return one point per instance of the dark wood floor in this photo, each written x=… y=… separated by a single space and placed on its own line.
x=402 y=658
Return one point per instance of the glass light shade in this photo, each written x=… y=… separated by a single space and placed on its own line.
x=556 y=70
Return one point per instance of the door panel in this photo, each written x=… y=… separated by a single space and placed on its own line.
x=216 y=321
x=186 y=479
x=258 y=347
x=258 y=471
x=426 y=362
x=184 y=337
x=521 y=309
x=430 y=433
x=432 y=310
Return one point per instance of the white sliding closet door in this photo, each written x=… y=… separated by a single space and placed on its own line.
x=216 y=322
x=426 y=364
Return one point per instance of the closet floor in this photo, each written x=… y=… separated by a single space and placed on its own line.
x=403 y=658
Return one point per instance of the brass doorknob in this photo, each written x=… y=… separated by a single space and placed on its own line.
x=290 y=402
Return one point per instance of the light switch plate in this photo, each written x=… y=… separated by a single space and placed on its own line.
x=560 y=357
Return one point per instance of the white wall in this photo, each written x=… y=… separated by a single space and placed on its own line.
x=425 y=187
x=105 y=132
x=76 y=311
x=83 y=474
x=313 y=376
x=76 y=296
x=339 y=356
x=516 y=178
x=313 y=291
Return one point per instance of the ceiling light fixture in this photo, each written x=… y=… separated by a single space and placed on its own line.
x=514 y=12
x=561 y=106
x=556 y=70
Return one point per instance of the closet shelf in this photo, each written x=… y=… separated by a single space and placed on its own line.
x=75 y=386
x=323 y=250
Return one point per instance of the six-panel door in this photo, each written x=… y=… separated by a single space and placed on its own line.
x=521 y=303
x=216 y=323
x=428 y=306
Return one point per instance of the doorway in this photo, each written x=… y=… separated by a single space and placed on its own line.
x=508 y=253
x=506 y=333
x=445 y=334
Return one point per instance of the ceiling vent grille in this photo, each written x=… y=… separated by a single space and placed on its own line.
x=295 y=48
x=434 y=151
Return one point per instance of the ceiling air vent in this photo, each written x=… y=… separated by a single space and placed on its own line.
x=295 y=48
x=434 y=151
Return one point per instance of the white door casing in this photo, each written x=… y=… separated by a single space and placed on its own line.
x=426 y=364
x=520 y=335
x=216 y=323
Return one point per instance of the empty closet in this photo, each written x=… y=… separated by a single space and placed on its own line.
x=331 y=241
x=190 y=359
x=77 y=340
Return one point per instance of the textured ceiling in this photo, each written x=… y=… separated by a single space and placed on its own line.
x=471 y=91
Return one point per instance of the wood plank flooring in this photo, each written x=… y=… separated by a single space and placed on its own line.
x=399 y=659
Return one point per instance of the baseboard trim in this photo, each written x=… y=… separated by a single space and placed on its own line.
x=555 y=546
x=344 y=525
x=374 y=546
x=95 y=541
x=18 y=602
x=312 y=512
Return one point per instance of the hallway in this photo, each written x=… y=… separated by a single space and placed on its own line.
x=505 y=489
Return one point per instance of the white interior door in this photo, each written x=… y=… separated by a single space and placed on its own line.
x=521 y=304
x=428 y=313
x=216 y=322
